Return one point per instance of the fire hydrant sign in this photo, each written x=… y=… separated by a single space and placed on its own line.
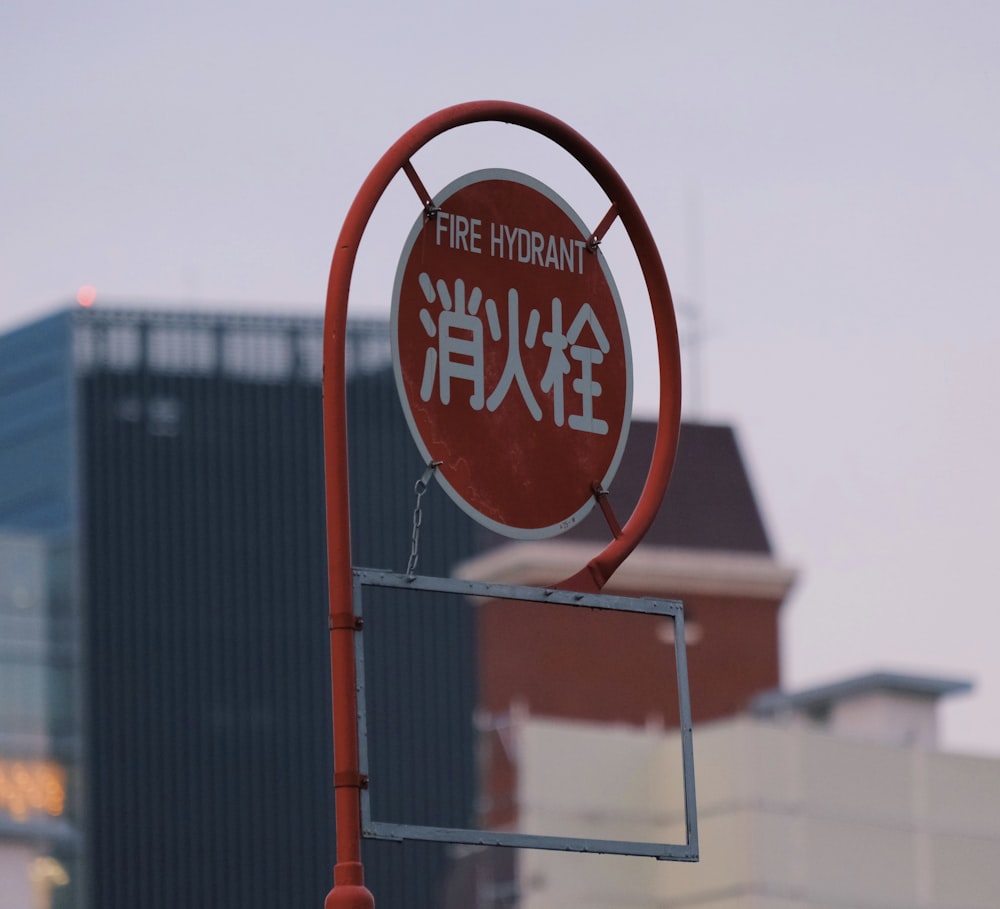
x=511 y=354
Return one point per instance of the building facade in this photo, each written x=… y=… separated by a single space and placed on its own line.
x=165 y=732
x=798 y=809
x=707 y=547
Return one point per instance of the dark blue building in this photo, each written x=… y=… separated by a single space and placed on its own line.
x=165 y=733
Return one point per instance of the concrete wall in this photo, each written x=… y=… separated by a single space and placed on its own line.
x=789 y=819
x=15 y=883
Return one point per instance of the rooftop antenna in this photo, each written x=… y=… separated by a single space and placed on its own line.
x=691 y=309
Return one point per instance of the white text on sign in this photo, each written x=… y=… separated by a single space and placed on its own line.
x=457 y=354
x=517 y=244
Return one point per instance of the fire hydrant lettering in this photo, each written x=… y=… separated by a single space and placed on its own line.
x=517 y=244
x=457 y=353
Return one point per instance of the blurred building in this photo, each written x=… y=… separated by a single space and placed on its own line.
x=708 y=547
x=833 y=797
x=165 y=733
x=165 y=721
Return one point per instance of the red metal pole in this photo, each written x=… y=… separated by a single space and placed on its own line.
x=349 y=891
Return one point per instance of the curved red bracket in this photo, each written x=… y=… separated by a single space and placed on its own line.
x=349 y=890
x=597 y=572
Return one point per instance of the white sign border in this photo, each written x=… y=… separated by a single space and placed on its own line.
x=518 y=533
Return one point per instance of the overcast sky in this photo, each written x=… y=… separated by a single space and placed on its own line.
x=822 y=178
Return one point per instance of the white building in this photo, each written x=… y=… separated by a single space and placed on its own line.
x=834 y=798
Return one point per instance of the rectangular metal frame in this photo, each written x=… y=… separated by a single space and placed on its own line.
x=372 y=829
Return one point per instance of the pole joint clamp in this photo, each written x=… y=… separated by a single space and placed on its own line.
x=349 y=779
x=346 y=620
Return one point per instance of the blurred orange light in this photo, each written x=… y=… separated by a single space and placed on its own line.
x=86 y=295
x=29 y=786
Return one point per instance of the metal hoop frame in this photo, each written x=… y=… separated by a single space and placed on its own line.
x=349 y=891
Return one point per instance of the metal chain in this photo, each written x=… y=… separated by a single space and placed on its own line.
x=419 y=488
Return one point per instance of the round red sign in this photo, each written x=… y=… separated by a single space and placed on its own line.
x=511 y=354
